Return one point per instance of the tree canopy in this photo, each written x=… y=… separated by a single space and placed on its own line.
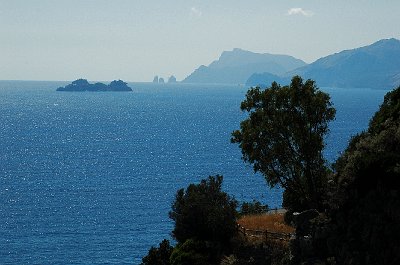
x=365 y=214
x=204 y=212
x=362 y=223
x=205 y=222
x=160 y=255
x=283 y=138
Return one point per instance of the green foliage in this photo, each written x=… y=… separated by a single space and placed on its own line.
x=269 y=252
x=203 y=212
x=389 y=112
x=363 y=222
x=160 y=255
x=378 y=147
x=366 y=205
x=191 y=252
x=254 y=207
x=283 y=138
x=205 y=223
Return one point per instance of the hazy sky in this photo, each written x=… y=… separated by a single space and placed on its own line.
x=134 y=40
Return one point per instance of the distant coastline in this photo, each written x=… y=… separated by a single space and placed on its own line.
x=81 y=85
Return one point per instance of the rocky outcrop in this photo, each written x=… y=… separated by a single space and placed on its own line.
x=80 y=85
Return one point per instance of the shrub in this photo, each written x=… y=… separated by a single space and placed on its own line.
x=254 y=207
x=191 y=252
x=160 y=255
x=203 y=212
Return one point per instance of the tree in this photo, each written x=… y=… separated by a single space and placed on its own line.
x=203 y=212
x=192 y=252
x=283 y=138
x=365 y=213
x=254 y=207
x=160 y=255
x=362 y=224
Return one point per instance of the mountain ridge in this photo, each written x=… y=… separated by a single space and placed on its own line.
x=237 y=65
x=375 y=66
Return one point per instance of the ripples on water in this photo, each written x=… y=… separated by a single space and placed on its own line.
x=88 y=178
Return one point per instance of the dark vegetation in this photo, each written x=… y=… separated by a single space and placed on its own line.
x=254 y=207
x=159 y=255
x=205 y=223
x=345 y=214
x=362 y=223
x=283 y=140
x=84 y=85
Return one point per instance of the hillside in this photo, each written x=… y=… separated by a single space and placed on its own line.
x=265 y=79
x=234 y=67
x=373 y=66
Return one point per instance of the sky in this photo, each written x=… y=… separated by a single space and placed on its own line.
x=134 y=40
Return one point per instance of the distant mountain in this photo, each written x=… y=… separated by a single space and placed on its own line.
x=235 y=67
x=373 y=66
x=83 y=85
x=265 y=79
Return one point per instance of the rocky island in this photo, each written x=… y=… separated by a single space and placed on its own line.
x=84 y=85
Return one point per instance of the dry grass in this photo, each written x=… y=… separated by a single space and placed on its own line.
x=273 y=222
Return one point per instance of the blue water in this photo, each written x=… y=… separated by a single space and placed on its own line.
x=88 y=178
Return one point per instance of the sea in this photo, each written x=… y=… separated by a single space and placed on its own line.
x=89 y=177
